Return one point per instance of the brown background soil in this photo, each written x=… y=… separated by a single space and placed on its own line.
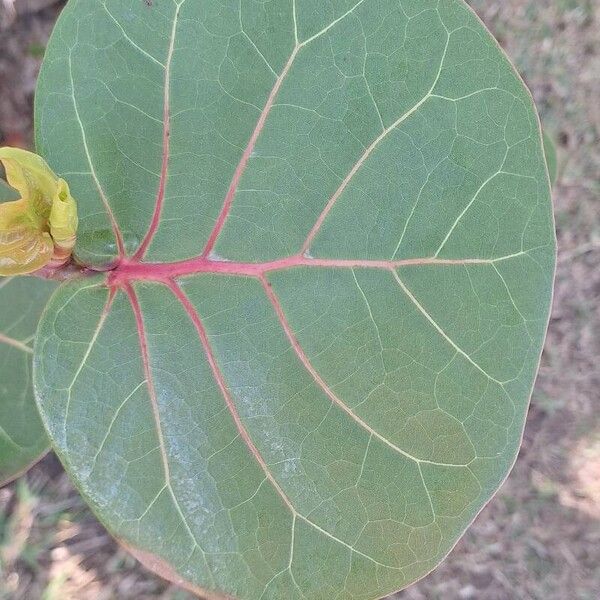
x=540 y=537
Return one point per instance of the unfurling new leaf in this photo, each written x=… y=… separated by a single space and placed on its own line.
x=40 y=228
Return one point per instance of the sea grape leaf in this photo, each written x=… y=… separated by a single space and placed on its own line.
x=22 y=437
x=330 y=252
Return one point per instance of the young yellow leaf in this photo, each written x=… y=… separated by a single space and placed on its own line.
x=40 y=228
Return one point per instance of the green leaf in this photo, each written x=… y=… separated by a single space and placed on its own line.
x=22 y=437
x=310 y=364
x=23 y=440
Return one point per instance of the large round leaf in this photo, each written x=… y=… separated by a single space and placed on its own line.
x=333 y=252
x=22 y=437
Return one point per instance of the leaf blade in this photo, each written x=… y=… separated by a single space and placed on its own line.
x=360 y=405
x=23 y=440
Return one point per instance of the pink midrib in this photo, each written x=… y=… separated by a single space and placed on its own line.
x=237 y=176
x=222 y=385
x=166 y=150
x=162 y=272
x=160 y=195
x=145 y=358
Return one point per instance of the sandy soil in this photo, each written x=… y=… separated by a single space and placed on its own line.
x=540 y=537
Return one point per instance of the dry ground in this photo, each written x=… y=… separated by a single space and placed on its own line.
x=540 y=537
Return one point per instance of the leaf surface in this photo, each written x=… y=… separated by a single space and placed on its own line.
x=22 y=437
x=332 y=255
